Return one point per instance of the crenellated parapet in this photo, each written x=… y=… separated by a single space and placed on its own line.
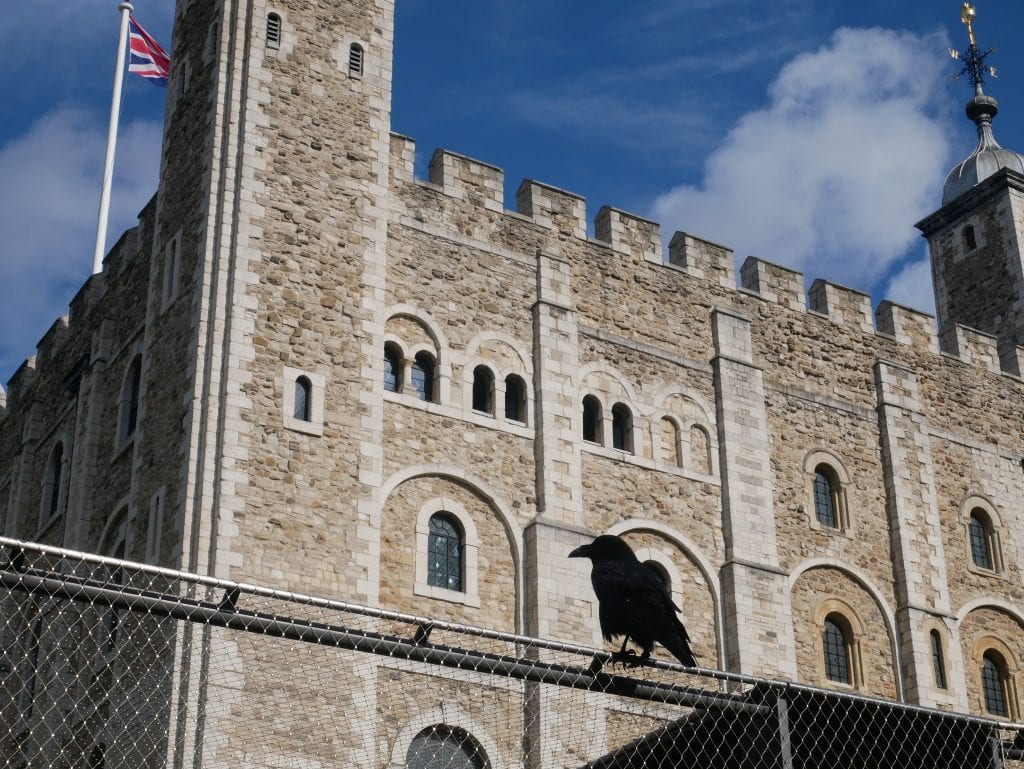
x=773 y=282
x=553 y=208
x=907 y=326
x=48 y=348
x=629 y=234
x=703 y=259
x=970 y=346
x=476 y=182
x=842 y=305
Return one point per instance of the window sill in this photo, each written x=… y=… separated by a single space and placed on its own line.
x=443 y=594
x=301 y=426
x=990 y=573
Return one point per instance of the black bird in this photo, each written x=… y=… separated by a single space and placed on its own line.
x=633 y=601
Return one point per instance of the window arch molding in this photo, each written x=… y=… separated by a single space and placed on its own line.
x=822 y=460
x=449 y=714
x=1009 y=674
x=54 y=491
x=438 y=346
x=394 y=349
x=129 y=403
x=852 y=627
x=667 y=436
x=976 y=506
x=315 y=385
x=470 y=594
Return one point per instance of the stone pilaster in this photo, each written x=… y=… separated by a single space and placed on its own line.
x=758 y=619
x=922 y=589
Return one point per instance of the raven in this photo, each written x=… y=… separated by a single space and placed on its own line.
x=633 y=601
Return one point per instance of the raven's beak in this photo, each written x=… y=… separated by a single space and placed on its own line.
x=583 y=551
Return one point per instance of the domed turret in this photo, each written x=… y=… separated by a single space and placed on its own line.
x=987 y=158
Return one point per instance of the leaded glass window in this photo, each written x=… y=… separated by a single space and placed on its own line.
x=981 y=553
x=303 y=398
x=992 y=685
x=423 y=376
x=392 y=369
x=938 y=662
x=445 y=747
x=837 y=662
x=444 y=553
x=824 y=500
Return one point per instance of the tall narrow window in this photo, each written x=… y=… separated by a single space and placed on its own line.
x=836 y=648
x=700 y=450
x=445 y=747
x=273 y=30
x=392 y=368
x=303 y=399
x=938 y=661
x=670 y=447
x=483 y=390
x=515 y=398
x=981 y=551
x=172 y=270
x=592 y=419
x=54 y=480
x=355 y=60
x=825 y=499
x=444 y=545
x=423 y=376
x=622 y=428
x=970 y=242
x=130 y=399
x=993 y=684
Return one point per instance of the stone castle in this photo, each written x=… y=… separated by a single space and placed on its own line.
x=307 y=368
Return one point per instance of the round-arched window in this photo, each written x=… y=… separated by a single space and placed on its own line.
x=445 y=747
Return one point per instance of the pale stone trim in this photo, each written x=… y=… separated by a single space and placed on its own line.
x=468 y=381
x=318 y=382
x=448 y=713
x=814 y=459
x=470 y=594
x=855 y=627
x=627 y=391
x=991 y=602
x=970 y=503
x=993 y=643
x=473 y=347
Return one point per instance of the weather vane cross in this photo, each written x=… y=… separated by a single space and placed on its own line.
x=973 y=58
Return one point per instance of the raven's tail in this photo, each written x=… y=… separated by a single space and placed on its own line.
x=680 y=648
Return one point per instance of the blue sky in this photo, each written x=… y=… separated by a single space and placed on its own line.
x=812 y=133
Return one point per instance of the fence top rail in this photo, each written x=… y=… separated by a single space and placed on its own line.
x=779 y=686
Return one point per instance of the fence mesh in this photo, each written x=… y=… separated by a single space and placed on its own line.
x=105 y=663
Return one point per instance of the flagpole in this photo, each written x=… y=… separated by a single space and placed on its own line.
x=108 y=163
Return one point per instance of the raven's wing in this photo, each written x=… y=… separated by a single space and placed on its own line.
x=651 y=614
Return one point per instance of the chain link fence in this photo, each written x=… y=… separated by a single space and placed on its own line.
x=106 y=663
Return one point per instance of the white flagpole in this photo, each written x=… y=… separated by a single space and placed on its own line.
x=108 y=164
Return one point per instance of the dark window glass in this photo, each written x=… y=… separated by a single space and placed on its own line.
x=980 y=551
x=937 y=660
x=56 y=470
x=824 y=500
x=444 y=553
x=837 y=664
x=392 y=369
x=992 y=684
x=444 y=747
x=591 y=419
x=969 y=240
x=622 y=428
x=483 y=390
x=303 y=399
x=134 y=384
x=515 y=399
x=423 y=376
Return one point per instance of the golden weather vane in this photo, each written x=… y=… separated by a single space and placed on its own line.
x=973 y=58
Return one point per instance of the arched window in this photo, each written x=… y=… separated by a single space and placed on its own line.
x=700 y=450
x=273 y=30
x=826 y=509
x=836 y=646
x=423 y=375
x=392 y=368
x=622 y=427
x=483 y=390
x=515 y=398
x=356 y=56
x=592 y=419
x=52 y=483
x=970 y=242
x=938 y=660
x=670 y=448
x=130 y=399
x=444 y=547
x=303 y=399
x=445 y=747
x=979 y=528
x=993 y=684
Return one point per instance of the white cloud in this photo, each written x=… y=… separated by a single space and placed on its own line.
x=48 y=207
x=832 y=174
x=912 y=286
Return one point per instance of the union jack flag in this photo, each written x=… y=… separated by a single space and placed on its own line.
x=147 y=59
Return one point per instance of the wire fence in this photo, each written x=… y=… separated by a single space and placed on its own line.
x=106 y=663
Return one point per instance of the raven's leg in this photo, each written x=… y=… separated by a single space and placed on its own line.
x=626 y=657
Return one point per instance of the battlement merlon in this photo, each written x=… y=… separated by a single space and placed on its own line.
x=629 y=234
x=22 y=378
x=403 y=158
x=553 y=207
x=842 y=305
x=773 y=282
x=907 y=326
x=703 y=259
x=52 y=340
x=970 y=346
x=467 y=179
